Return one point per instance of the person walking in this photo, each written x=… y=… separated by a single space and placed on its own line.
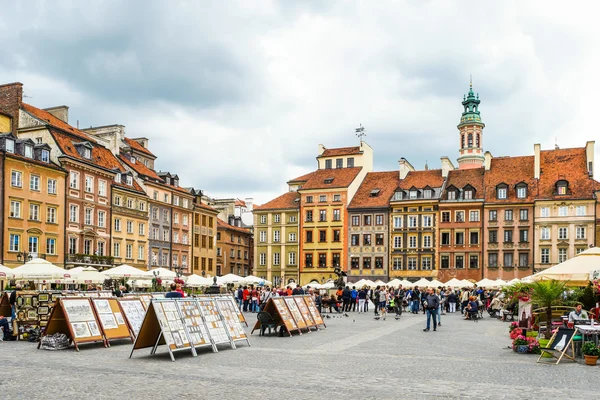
x=353 y=298
x=414 y=300
x=346 y=299
x=362 y=299
x=431 y=304
x=452 y=299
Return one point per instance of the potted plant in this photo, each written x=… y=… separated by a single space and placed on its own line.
x=591 y=352
x=547 y=294
x=520 y=345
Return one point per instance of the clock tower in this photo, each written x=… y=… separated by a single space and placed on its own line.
x=471 y=133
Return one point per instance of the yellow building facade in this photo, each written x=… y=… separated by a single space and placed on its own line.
x=204 y=237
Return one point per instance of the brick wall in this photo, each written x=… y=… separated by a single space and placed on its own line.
x=11 y=97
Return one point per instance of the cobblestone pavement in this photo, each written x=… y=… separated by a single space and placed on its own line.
x=355 y=357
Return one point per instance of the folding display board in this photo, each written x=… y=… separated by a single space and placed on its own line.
x=111 y=319
x=238 y=312
x=278 y=309
x=75 y=317
x=163 y=324
x=5 y=308
x=295 y=312
x=231 y=320
x=195 y=324
x=134 y=312
x=301 y=304
x=214 y=322
x=312 y=308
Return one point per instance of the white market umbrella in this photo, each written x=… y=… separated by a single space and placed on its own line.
x=6 y=273
x=140 y=283
x=466 y=283
x=90 y=275
x=422 y=282
x=512 y=282
x=379 y=282
x=395 y=282
x=360 y=283
x=435 y=283
x=576 y=269
x=406 y=283
x=39 y=269
x=162 y=273
x=229 y=278
x=251 y=279
x=327 y=285
x=198 y=281
x=126 y=271
x=454 y=283
x=500 y=282
x=486 y=283
x=76 y=270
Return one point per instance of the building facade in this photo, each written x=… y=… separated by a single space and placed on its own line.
x=368 y=214
x=234 y=246
x=276 y=248
x=204 y=242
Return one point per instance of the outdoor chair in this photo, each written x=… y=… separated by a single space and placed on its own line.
x=266 y=322
x=473 y=315
x=559 y=345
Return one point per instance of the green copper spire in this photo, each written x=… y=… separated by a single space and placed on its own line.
x=471 y=107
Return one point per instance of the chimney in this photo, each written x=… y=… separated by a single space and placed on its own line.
x=249 y=201
x=60 y=112
x=405 y=167
x=589 y=157
x=11 y=98
x=536 y=160
x=488 y=160
x=144 y=142
x=447 y=166
x=321 y=149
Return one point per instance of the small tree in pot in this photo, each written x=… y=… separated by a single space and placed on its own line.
x=547 y=294
x=591 y=352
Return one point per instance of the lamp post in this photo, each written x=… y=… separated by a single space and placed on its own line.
x=24 y=256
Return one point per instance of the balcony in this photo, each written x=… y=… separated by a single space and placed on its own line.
x=84 y=259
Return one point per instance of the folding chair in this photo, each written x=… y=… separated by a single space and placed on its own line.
x=558 y=346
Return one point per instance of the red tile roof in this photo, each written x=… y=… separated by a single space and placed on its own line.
x=511 y=171
x=224 y=225
x=138 y=147
x=285 y=201
x=134 y=186
x=341 y=151
x=302 y=178
x=385 y=182
x=240 y=203
x=459 y=178
x=101 y=156
x=342 y=178
x=57 y=123
x=569 y=165
x=421 y=179
x=206 y=207
x=140 y=168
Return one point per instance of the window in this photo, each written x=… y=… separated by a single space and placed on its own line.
x=366 y=262
x=34 y=183
x=89 y=220
x=165 y=215
x=508 y=215
x=474 y=216
x=14 y=242
x=445 y=216
x=263 y=219
x=175 y=200
x=493 y=259
x=89 y=184
x=292 y=258
x=350 y=162
x=72 y=245
x=523 y=259
x=33 y=244
x=129 y=253
x=367 y=239
x=276 y=258
x=15 y=209
x=328 y=164
x=277 y=218
x=322 y=215
x=51 y=215
x=73 y=213
x=427 y=220
x=493 y=236
x=427 y=241
x=459 y=262
x=412 y=221
x=501 y=193
x=10 y=146
x=292 y=237
x=379 y=220
x=323 y=198
x=545 y=255
x=100 y=249
x=336 y=235
x=445 y=239
x=166 y=198
x=322 y=260
x=460 y=216
x=545 y=212
x=397 y=195
x=28 y=151
x=523 y=235
x=427 y=193
x=379 y=239
x=580 y=232
x=397 y=222
x=322 y=236
x=337 y=197
x=579 y=250
x=493 y=215
x=52 y=183
x=336 y=215
x=16 y=179
x=522 y=192
x=412 y=194
x=335 y=259
x=580 y=211
x=118 y=201
x=474 y=238
x=545 y=233
x=355 y=220
x=523 y=215
x=308 y=260
x=412 y=242
x=354 y=240
x=176 y=218
x=102 y=187
x=309 y=199
x=562 y=211
x=262 y=236
x=426 y=263
x=508 y=259
x=74 y=180
x=184 y=238
x=309 y=216
x=412 y=263
x=473 y=261
x=468 y=194
x=117 y=224
x=367 y=220
x=309 y=236
x=129 y=226
x=276 y=236
x=451 y=194
x=459 y=238
x=186 y=203
x=140 y=254
x=262 y=259
x=129 y=203
x=397 y=263
x=445 y=262
x=508 y=235
x=563 y=233
x=561 y=187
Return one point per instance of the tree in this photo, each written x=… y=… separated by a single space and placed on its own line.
x=547 y=294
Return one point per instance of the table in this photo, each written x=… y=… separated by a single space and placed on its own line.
x=589 y=330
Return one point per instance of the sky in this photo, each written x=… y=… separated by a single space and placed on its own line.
x=235 y=96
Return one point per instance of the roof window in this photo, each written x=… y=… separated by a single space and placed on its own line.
x=328 y=181
x=375 y=192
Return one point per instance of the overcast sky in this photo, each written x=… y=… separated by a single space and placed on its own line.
x=235 y=96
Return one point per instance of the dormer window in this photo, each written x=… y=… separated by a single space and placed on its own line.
x=427 y=193
x=328 y=164
x=45 y=156
x=451 y=194
x=118 y=178
x=412 y=194
x=398 y=195
x=521 y=191
x=562 y=187
x=328 y=181
x=168 y=180
x=87 y=153
x=129 y=180
x=28 y=151
x=501 y=192
x=10 y=146
x=468 y=194
x=176 y=182
x=133 y=160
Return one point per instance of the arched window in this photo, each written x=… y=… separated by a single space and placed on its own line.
x=470 y=140
x=462 y=141
x=477 y=140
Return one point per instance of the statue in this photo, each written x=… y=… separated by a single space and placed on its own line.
x=339 y=282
